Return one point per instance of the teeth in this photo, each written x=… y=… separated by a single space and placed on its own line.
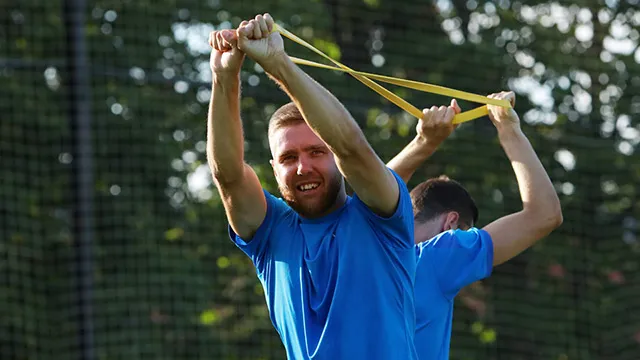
x=306 y=187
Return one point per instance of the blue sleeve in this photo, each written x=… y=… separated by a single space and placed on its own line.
x=459 y=258
x=258 y=247
x=398 y=228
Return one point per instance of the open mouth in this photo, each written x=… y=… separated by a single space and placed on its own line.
x=307 y=187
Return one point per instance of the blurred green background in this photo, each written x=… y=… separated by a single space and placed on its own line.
x=168 y=284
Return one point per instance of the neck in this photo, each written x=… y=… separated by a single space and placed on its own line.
x=341 y=199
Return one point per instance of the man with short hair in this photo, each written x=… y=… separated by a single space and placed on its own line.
x=337 y=271
x=452 y=252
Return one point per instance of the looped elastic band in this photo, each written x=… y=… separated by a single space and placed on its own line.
x=366 y=79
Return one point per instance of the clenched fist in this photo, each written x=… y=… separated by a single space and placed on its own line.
x=257 y=39
x=437 y=123
x=504 y=118
x=226 y=58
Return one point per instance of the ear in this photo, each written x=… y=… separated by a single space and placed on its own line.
x=451 y=221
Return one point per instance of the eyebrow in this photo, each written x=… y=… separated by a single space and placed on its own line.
x=286 y=153
x=315 y=147
x=306 y=149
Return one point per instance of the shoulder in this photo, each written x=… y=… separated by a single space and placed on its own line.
x=279 y=219
x=277 y=204
x=456 y=239
x=443 y=239
x=472 y=236
x=404 y=207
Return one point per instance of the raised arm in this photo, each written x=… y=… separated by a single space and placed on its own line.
x=435 y=126
x=239 y=187
x=361 y=167
x=541 y=212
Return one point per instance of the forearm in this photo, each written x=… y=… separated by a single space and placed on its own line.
x=225 y=148
x=536 y=190
x=411 y=157
x=321 y=110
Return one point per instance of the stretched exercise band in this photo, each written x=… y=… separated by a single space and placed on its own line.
x=366 y=79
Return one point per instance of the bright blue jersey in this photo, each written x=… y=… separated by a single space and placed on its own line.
x=446 y=264
x=341 y=286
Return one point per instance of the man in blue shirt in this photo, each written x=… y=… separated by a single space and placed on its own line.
x=337 y=271
x=452 y=252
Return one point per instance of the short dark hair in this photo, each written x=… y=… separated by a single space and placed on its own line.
x=442 y=194
x=286 y=115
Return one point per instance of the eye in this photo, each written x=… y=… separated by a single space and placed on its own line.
x=287 y=158
x=317 y=152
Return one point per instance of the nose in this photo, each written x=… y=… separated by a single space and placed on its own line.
x=304 y=167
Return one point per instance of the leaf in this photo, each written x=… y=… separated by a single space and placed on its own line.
x=223 y=262
x=173 y=234
x=488 y=336
x=372 y=3
x=208 y=317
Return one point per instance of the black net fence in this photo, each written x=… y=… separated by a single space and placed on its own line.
x=113 y=239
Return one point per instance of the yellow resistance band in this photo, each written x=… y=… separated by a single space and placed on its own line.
x=365 y=78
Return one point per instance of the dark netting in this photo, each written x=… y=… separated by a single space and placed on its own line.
x=147 y=271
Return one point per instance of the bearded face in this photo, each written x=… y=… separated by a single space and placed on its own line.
x=306 y=171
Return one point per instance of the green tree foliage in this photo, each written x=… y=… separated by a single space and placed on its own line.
x=168 y=284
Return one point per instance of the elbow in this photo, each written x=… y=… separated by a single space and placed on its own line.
x=554 y=212
x=219 y=176
x=224 y=178
x=553 y=220
x=224 y=175
x=557 y=218
x=549 y=219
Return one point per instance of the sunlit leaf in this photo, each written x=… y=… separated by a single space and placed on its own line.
x=372 y=3
x=223 y=262
x=208 y=317
x=488 y=336
x=173 y=234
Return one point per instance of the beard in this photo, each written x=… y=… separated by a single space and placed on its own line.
x=318 y=206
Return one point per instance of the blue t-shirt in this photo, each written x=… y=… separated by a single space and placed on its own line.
x=446 y=263
x=341 y=286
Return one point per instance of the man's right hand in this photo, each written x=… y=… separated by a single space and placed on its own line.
x=437 y=123
x=504 y=119
x=226 y=58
